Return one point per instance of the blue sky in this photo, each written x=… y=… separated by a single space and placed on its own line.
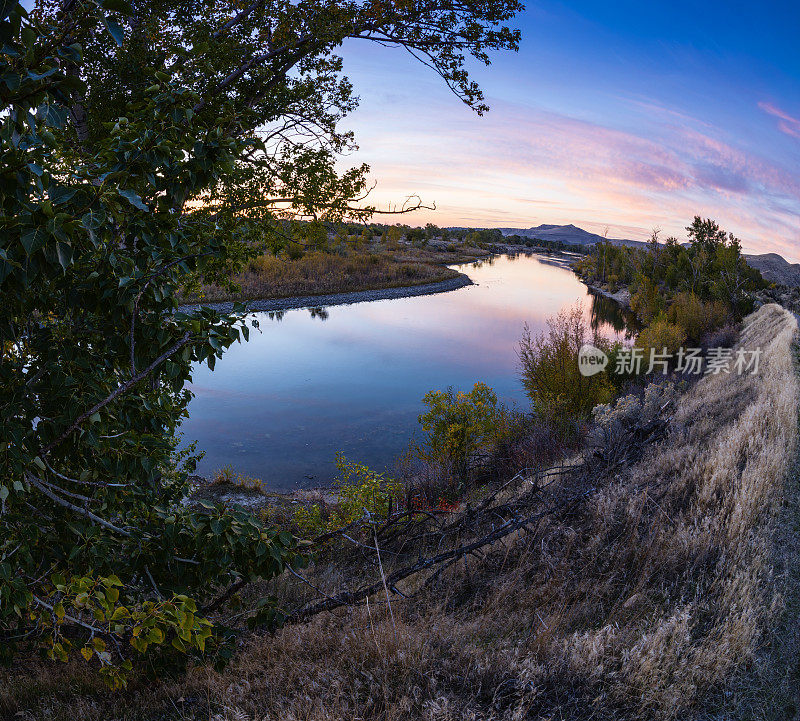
x=624 y=114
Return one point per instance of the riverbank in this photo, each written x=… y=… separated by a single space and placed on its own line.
x=621 y=297
x=269 y=277
x=389 y=289
x=356 y=296
x=662 y=587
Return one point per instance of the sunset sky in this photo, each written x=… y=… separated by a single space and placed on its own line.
x=626 y=114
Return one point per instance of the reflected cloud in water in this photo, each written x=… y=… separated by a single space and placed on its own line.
x=282 y=405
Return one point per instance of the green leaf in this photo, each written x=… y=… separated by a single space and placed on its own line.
x=41 y=76
x=115 y=30
x=33 y=239
x=64 y=251
x=93 y=219
x=60 y=194
x=11 y=80
x=55 y=116
x=133 y=199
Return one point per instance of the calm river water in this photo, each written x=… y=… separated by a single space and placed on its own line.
x=352 y=378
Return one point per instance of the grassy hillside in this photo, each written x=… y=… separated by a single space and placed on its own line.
x=648 y=578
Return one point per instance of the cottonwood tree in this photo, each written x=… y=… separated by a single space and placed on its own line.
x=142 y=147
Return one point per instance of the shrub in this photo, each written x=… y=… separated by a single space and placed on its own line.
x=724 y=337
x=226 y=476
x=619 y=425
x=550 y=373
x=659 y=335
x=362 y=492
x=458 y=425
x=528 y=441
x=647 y=302
x=696 y=317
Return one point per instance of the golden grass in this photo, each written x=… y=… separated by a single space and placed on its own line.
x=226 y=476
x=656 y=598
x=318 y=273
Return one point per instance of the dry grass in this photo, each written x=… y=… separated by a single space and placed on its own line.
x=656 y=598
x=318 y=273
x=226 y=476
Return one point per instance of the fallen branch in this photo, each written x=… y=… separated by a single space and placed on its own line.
x=350 y=598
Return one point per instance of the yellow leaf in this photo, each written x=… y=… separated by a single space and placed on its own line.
x=87 y=652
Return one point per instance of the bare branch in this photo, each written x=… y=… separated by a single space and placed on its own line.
x=187 y=338
x=75 y=509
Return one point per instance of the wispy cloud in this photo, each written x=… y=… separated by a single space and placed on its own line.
x=786 y=123
x=522 y=166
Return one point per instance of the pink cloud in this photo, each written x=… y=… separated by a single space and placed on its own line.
x=786 y=123
x=521 y=166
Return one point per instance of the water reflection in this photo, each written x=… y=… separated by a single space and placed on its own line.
x=280 y=406
x=607 y=313
x=319 y=312
x=489 y=261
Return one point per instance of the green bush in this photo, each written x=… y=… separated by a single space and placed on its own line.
x=550 y=371
x=362 y=493
x=457 y=425
x=696 y=317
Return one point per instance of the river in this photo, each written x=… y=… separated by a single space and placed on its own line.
x=351 y=378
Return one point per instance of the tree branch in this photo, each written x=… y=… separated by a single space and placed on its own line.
x=187 y=338
x=86 y=513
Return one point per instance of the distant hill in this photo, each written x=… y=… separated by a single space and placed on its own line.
x=772 y=266
x=775 y=268
x=565 y=234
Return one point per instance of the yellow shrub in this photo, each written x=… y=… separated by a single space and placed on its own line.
x=551 y=374
x=459 y=424
x=696 y=317
x=661 y=334
x=362 y=493
x=647 y=302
